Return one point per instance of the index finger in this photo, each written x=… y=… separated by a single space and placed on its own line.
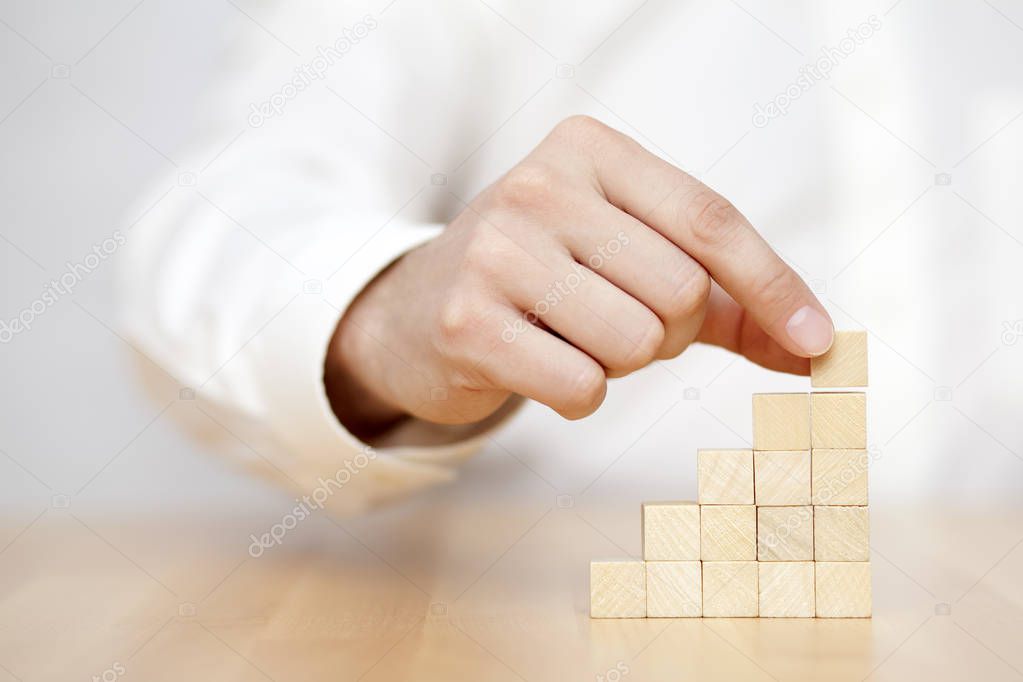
x=710 y=229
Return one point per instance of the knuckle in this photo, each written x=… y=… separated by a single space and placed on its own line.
x=525 y=185
x=777 y=288
x=581 y=128
x=486 y=248
x=459 y=319
x=711 y=218
x=587 y=391
x=690 y=293
x=644 y=351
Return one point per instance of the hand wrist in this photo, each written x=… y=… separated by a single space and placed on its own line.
x=347 y=378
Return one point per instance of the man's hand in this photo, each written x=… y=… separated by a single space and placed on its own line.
x=589 y=259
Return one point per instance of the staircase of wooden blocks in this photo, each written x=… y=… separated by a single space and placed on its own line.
x=778 y=531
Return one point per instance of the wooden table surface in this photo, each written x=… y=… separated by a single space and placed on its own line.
x=458 y=586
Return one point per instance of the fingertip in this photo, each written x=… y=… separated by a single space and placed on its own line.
x=811 y=330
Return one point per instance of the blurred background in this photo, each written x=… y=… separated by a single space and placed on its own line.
x=892 y=186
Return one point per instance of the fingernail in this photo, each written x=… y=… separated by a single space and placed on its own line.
x=810 y=330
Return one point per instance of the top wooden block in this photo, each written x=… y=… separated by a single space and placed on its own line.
x=844 y=365
x=781 y=421
x=725 y=476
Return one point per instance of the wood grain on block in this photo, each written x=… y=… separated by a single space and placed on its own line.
x=730 y=589
x=841 y=534
x=786 y=589
x=844 y=366
x=839 y=476
x=725 y=476
x=785 y=533
x=728 y=532
x=674 y=589
x=781 y=421
x=839 y=420
x=617 y=589
x=782 y=477
x=842 y=589
x=671 y=531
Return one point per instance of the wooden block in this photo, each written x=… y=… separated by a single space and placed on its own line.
x=785 y=533
x=728 y=532
x=844 y=365
x=839 y=476
x=781 y=421
x=674 y=589
x=839 y=420
x=617 y=589
x=671 y=531
x=842 y=589
x=730 y=589
x=841 y=534
x=725 y=476
x=786 y=589
x=782 y=477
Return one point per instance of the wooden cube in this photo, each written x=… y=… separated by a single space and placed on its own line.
x=617 y=589
x=725 y=476
x=782 y=477
x=786 y=589
x=781 y=421
x=728 y=532
x=674 y=589
x=785 y=533
x=839 y=476
x=839 y=420
x=842 y=589
x=671 y=531
x=844 y=365
x=730 y=589
x=841 y=534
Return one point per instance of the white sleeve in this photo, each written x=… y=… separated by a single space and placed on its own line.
x=234 y=287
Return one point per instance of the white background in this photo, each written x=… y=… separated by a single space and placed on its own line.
x=844 y=186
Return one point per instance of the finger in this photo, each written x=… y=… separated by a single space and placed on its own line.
x=728 y=326
x=712 y=231
x=644 y=264
x=533 y=363
x=588 y=311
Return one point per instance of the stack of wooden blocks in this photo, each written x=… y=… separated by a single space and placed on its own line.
x=779 y=531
